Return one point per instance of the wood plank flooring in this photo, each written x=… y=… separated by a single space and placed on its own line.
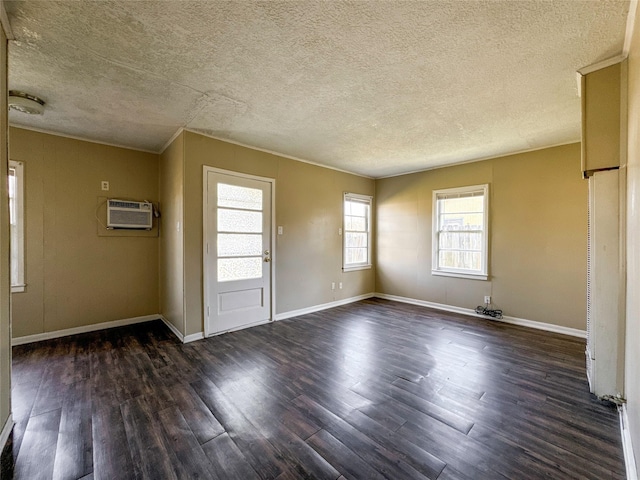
x=371 y=390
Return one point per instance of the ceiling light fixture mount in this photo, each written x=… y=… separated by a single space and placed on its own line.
x=25 y=103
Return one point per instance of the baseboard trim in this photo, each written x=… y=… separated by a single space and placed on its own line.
x=183 y=338
x=173 y=328
x=6 y=431
x=193 y=337
x=323 y=306
x=549 y=327
x=38 y=337
x=627 y=445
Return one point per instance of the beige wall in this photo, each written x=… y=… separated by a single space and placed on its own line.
x=632 y=351
x=5 y=318
x=308 y=206
x=538 y=226
x=171 y=234
x=76 y=272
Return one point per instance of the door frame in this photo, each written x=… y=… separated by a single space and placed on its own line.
x=207 y=276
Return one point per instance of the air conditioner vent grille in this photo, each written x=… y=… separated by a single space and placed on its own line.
x=129 y=214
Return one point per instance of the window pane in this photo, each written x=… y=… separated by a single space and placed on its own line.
x=353 y=239
x=460 y=260
x=355 y=223
x=239 y=197
x=355 y=208
x=12 y=196
x=230 y=269
x=239 y=245
x=461 y=221
x=356 y=255
x=464 y=204
x=461 y=241
x=239 y=221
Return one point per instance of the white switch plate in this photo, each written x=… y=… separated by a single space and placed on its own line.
x=105 y=185
x=280 y=230
x=340 y=231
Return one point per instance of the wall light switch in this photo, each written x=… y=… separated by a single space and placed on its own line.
x=105 y=185
x=280 y=230
x=340 y=231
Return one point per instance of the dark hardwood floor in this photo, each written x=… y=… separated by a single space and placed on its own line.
x=370 y=390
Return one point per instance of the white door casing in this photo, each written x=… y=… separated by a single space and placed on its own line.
x=238 y=250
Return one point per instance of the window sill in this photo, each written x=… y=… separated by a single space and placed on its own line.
x=470 y=276
x=355 y=268
x=17 y=288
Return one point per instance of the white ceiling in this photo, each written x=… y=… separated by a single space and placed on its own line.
x=375 y=87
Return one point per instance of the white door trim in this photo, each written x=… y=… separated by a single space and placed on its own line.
x=205 y=273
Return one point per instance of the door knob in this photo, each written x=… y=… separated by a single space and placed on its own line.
x=267 y=259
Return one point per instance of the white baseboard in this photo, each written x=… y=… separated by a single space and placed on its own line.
x=183 y=338
x=549 y=327
x=324 y=306
x=6 y=431
x=193 y=337
x=173 y=328
x=627 y=446
x=38 y=337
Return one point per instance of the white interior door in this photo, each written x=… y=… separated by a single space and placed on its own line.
x=237 y=251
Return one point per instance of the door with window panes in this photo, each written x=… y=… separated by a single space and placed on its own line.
x=238 y=251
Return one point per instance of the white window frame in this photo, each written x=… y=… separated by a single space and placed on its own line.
x=17 y=230
x=436 y=269
x=362 y=199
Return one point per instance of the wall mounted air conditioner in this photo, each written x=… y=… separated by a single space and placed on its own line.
x=129 y=214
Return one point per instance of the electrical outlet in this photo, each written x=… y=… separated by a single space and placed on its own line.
x=280 y=230
x=333 y=285
x=105 y=185
x=487 y=299
x=340 y=285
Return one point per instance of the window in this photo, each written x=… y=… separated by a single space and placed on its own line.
x=460 y=225
x=16 y=220
x=357 y=232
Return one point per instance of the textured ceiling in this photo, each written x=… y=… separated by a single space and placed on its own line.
x=377 y=87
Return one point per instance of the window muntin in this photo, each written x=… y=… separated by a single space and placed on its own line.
x=357 y=232
x=460 y=227
x=16 y=223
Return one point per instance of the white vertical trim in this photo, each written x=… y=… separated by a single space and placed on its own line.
x=627 y=445
x=6 y=431
x=17 y=231
x=205 y=253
